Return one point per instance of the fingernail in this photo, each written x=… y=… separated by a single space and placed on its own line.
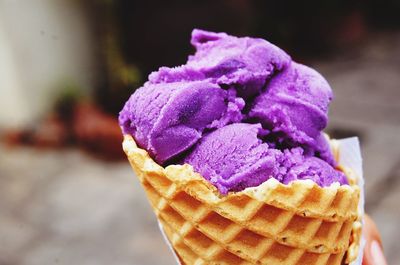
x=377 y=254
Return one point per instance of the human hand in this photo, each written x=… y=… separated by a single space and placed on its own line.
x=373 y=253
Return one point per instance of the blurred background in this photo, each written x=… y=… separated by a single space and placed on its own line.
x=68 y=195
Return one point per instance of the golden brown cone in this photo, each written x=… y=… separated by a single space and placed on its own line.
x=299 y=223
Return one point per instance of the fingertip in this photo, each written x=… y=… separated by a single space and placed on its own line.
x=373 y=253
x=370 y=230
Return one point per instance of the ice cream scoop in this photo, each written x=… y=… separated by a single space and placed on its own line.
x=242 y=63
x=234 y=157
x=167 y=119
x=294 y=107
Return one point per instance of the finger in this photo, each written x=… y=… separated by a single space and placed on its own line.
x=373 y=253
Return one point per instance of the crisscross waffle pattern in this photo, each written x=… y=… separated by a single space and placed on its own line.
x=298 y=223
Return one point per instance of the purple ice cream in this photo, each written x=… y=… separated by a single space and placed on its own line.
x=167 y=119
x=240 y=111
x=294 y=107
x=235 y=157
x=243 y=63
x=223 y=69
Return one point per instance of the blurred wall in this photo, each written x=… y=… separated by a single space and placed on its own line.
x=10 y=86
x=44 y=44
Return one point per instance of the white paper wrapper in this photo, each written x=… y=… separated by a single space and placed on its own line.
x=349 y=156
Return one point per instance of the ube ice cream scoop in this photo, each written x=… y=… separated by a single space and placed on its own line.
x=243 y=63
x=167 y=119
x=294 y=107
x=234 y=157
x=240 y=111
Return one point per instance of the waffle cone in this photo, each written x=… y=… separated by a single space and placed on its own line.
x=299 y=223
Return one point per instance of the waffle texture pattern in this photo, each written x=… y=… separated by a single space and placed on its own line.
x=299 y=223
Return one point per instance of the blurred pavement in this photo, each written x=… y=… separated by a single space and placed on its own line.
x=68 y=208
